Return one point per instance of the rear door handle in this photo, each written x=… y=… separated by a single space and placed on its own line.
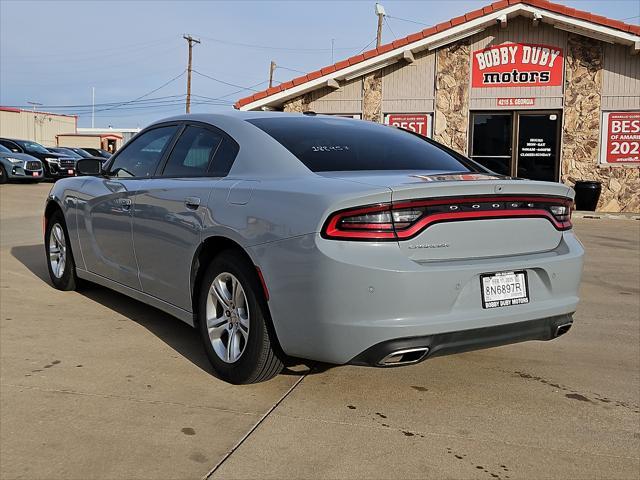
x=192 y=202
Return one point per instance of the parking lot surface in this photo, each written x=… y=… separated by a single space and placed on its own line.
x=96 y=385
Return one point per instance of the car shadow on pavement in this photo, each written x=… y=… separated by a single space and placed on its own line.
x=175 y=333
x=178 y=335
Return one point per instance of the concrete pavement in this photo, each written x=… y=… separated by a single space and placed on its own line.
x=95 y=385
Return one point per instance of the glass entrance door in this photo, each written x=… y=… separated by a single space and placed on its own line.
x=517 y=144
x=538 y=146
x=492 y=136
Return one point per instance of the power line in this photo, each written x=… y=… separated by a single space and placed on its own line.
x=386 y=22
x=146 y=94
x=290 y=69
x=271 y=47
x=222 y=81
x=410 y=21
x=251 y=87
x=91 y=54
x=368 y=44
x=88 y=105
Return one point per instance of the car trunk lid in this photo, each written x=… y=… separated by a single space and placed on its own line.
x=470 y=215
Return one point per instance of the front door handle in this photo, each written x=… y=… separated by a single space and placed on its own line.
x=125 y=203
x=192 y=202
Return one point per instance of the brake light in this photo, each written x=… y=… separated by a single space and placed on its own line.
x=404 y=220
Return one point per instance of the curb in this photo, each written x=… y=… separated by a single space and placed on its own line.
x=606 y=215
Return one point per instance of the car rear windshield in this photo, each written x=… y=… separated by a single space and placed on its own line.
x=336 y=144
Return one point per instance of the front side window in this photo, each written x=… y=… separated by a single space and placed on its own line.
x=193 y=152
x=335 y=144
x=143 y=153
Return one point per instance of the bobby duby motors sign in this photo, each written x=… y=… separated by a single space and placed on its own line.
x=517 y=65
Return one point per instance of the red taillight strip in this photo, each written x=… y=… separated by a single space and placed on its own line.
x=365 y=231
x=385 y=232
x=483 y=215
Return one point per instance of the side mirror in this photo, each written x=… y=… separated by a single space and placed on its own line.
x=89 y=166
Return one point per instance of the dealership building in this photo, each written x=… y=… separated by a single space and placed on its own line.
x=528 y=88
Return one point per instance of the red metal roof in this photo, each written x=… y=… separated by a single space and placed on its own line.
x=427 y=32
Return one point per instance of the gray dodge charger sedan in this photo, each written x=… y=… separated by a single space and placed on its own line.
x=300 y=236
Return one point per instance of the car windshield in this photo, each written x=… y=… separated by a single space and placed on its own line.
x=66 y=151
x=33 y=147
x=336 y=144
x=4 y=149
x=82 y=153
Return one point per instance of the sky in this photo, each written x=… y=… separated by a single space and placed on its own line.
x=133 y=54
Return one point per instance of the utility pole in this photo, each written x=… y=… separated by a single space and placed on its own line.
x=272 y=68
x=190 y=40
x=34 y=105
x=381 y=14
x=333 y=40
x=93 y=107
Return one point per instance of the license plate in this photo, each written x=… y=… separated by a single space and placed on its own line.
x=504 y=289
x=35 y=174
x=70 y=172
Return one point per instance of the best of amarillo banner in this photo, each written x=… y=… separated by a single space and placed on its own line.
x=517 y=65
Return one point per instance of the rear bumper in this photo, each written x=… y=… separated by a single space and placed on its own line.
x=466 y=340
x=331 y=301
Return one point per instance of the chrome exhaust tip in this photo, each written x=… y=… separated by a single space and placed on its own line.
x=404 y=357
x=562 y=329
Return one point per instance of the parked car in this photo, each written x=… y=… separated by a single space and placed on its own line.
x=67 y=152
x=55 y=165
x=300 y=236
x=97 y=152
x=83 y=153
x=19 y=166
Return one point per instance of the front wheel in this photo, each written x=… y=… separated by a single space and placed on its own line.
x=232 y=318
x=62 y=268
x=3 y=175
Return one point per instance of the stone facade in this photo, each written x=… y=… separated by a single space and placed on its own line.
x=372 y=97
x=298 y=104
x=581 y=129
x=452 y=96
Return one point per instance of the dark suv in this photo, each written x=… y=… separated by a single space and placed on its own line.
x=55 y=164
x=97 y=152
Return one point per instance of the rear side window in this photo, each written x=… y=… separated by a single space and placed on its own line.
x=141 y=156
x=193 y=152
x=328 y=144
x=224 y=158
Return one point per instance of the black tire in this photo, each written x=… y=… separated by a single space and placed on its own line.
x=3 y=175
x=68 y=279
x=259 y=361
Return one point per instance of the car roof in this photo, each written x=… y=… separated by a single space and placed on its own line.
x=236 y=115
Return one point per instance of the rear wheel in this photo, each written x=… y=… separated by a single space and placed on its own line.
x=232 y=317
x=3 y=174
x=62 y=268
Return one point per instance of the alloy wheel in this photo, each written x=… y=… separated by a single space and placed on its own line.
x=227 y=317
x=57 y=250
